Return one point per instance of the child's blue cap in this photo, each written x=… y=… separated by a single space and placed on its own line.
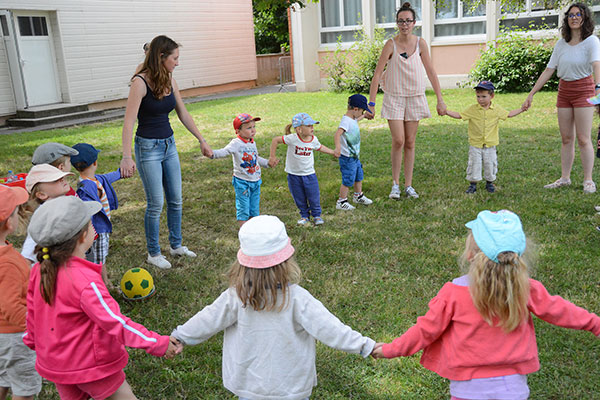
x=87 y=154
x=498 y=231
x=303 y=119
x=485 y=85
x=360 y=101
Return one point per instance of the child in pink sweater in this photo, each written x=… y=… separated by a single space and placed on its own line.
x=478 y=332
x=74 y=325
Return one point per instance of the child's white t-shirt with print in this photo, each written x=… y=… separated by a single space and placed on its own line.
x=350 y=140
x=300 y=159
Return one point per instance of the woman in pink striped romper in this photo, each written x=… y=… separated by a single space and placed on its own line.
x=404 y=102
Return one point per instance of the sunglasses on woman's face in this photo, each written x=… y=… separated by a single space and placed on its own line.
x=405 y=21
x=576 y=15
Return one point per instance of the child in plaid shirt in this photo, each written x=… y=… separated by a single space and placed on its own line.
x=98 y=188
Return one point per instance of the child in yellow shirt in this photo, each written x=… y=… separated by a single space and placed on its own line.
x=483 y=120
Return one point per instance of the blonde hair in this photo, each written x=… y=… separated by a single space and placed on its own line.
x=499 y=290
x=51 y=258
x=27 y=209
x=258 y=287
x=288 y=129
x=60 y=160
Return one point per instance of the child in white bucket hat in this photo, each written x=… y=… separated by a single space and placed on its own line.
x=269 y=319
x=478 y=332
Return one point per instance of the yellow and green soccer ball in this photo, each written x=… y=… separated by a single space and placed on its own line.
x=137 y=284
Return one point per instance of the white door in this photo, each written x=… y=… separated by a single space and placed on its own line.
x=37 y=60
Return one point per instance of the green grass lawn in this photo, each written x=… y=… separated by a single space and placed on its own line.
x=376 y=268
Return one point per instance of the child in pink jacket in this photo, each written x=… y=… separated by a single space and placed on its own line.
x=73 y=324
x=478 y=332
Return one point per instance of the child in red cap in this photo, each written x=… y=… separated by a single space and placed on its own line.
x=246 y=167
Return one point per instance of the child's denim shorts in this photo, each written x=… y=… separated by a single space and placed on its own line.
x=351 y=170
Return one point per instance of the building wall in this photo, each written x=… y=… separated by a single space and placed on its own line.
x=98 y=44
x=7 y=98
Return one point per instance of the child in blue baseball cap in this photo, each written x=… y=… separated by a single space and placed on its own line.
x=96 y=187
x=483 y=119
x=347 y=149
x=300 y=166
x=478 y=332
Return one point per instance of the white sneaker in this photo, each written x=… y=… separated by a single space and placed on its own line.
x=182 y=251
x=319 y=221
x=558 y=183
x=395 y=193
x=344 y=205
x=411 y=192
x=362 y=199
x=597 y=208
x=159 y=261
x=303 y=221
x=589 y=187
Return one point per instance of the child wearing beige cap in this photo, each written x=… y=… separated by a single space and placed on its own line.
x=17 y=362
x=43 y=182
x=269 y=319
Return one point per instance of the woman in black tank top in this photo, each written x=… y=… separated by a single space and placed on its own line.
x=152 y=96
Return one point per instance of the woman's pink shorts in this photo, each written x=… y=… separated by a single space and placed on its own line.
x=574 y=94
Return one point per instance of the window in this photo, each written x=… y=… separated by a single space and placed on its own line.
x=3 y=25
x=454 y=18
x=533 y=15
x=33 y=26
x=385 y=15
x=340 y=18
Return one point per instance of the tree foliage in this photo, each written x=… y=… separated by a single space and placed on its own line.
x=271 y=29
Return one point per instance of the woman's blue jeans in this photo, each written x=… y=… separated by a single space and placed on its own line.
x=157 y=161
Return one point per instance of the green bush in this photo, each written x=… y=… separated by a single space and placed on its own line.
x=352 y=70
x=514 y=62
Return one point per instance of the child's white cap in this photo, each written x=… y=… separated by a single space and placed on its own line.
x=61 y=218
x=43 y=173
x=264 y=242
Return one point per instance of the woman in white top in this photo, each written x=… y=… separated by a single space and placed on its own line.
x=404 y=103
x=575 y=57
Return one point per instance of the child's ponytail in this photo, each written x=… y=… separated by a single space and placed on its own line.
x=50 y=259
x=288 y=129
x=500 y=290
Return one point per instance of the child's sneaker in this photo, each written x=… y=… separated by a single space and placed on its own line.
x=558 y=183
x=344 y=205
x=472 y=188
x=182 y=251
x=319 y=221
x=395 y=193
x=361 y=199
x=159 y=261
x=303 y=221
x=594 y=100
x=490 y=187
x=411 y=192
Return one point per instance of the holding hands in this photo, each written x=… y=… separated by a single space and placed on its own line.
x=127 y=167
x=175 y=347
x=377 y=351
x=273 y=161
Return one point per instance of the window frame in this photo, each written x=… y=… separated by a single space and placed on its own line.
x=339 y=28
x=475 y=38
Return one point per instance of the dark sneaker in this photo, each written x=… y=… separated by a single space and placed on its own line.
x=472 y=188
x=490 y=187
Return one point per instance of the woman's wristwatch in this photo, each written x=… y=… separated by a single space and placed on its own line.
x=597 y=86
x=371 y=104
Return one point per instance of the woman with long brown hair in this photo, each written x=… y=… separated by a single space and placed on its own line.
x=575 y=57
x=152 y=96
